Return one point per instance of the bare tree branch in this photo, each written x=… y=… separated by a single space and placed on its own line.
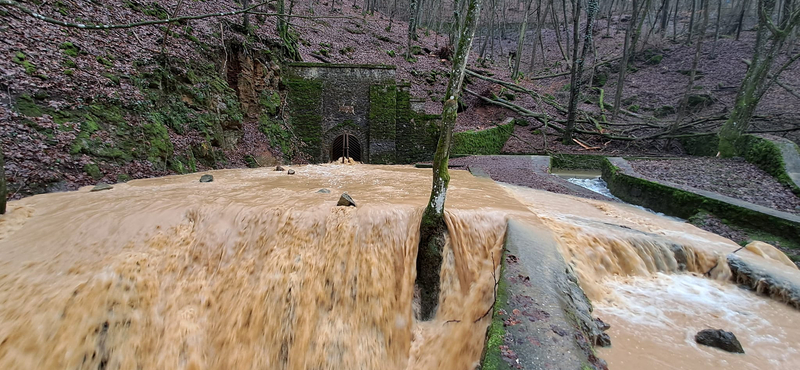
x=249 y=10
x=18 y=6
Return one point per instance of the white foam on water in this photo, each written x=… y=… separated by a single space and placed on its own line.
x=666 y=311
x=596 y=184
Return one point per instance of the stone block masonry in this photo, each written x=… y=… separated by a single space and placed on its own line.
x=327 y=101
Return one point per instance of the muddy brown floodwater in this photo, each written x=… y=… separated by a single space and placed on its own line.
x=625 y=259
x=259 y=270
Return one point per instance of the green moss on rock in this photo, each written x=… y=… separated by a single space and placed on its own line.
x=485 y=142
x=767 y=156
x=304 y=103
x=93 y=170
x=70 y=49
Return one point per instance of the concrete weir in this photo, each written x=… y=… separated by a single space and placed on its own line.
x=542 y=318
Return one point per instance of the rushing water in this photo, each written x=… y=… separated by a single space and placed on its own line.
x=260 y=270
x=626 y=261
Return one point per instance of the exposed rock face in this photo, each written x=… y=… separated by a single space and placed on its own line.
x=346 y=201
x=101 y=186
x=206 y=178
x=719 y=338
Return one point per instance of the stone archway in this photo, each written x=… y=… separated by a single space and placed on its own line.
x=346 y=146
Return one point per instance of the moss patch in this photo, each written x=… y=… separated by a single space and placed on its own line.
x=22 y=59
x=69 y=49
x=705 y=146
x=304 y=103
x=767 y=156
x=492 y=358
x=685 y=204
x=486 y=142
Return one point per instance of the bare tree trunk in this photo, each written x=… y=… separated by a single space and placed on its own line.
x=433 y=229
x=644 y=11
x=245 y=16
x=664 y=17
x=556 y=26
x=745 y=5
x=578 y=64
x=675 y=21
x=3 y=191
x=716 y=31
x=693 y=73
x=566 y=25
x=391 y=15
x=608 y=19
x=626 y=53
x=412 y=29
x=522 y=29
x=691 y=23
x=536 y=35
x=770 y=39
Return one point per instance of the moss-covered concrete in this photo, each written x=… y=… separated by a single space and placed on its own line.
x=485 y=142
x=304 y=103
x=576 y=161
x=382 y=123
x=767 y=155
x=704 y=146
x=625 y=184
x=541 y=318
x=417 y=133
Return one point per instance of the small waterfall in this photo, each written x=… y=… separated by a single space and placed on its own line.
x=600 y=253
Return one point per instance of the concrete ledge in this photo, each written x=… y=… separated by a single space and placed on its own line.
x=541 y=319
x=791 y=159
x=766 y=279
x=666 y=197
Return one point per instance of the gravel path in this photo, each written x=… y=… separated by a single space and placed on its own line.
x=519 y=170
x=730 y=177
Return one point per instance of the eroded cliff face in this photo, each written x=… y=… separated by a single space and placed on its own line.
x=82 y=106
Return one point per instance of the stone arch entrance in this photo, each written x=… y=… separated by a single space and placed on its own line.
x=344 y=146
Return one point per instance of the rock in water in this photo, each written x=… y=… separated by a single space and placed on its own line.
x=291 y=172
x=346 y=201
x=279 y=168
x=719 y=338
x=101 y=186
x=324 y=191
x=206 y=178
x=603 y=340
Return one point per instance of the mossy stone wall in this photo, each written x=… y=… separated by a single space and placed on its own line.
x=685 y=204
x=767 y=156
x=416 y=133
x=485 y=142
x=382 y=123
x=328 y=100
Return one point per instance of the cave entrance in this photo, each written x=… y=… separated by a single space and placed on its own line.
x=346 y=146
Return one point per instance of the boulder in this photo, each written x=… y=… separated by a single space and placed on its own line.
x=101 y=186
x=346 y=201
x=206 y=178
x=291 y=172
x=324 y=191
x=719 y=338
x=279 y=168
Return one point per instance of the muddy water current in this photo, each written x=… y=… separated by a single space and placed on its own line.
x=258 y=269
x=658 y=281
